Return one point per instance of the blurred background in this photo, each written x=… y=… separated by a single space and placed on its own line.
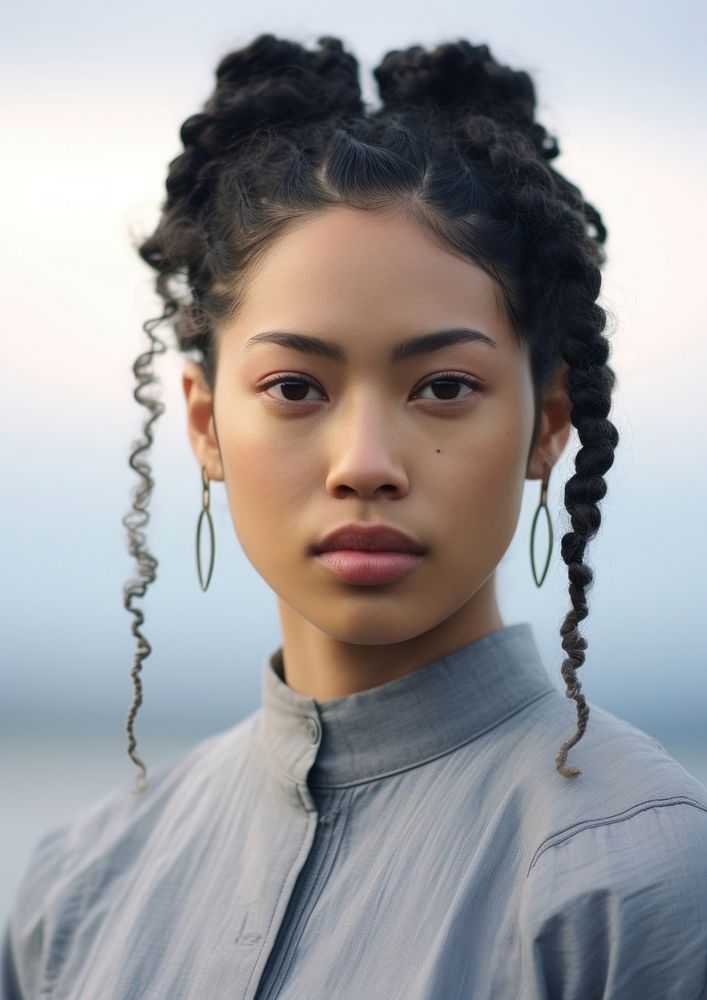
x=94 y=96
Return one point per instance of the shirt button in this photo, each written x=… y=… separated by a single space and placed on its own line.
x=313 y=730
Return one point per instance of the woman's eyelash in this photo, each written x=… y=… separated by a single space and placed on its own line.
x=441 y=377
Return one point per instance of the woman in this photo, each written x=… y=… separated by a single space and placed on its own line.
x=397 y=324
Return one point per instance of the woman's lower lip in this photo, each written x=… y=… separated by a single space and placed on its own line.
x=357 y=566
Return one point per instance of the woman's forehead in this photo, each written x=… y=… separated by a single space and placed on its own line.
x=352 y=271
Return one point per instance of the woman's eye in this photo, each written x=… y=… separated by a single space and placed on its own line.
x=450 y=386
x=295 y=389
x=297 y=386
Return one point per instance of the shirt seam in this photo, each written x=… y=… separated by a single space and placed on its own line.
x=571 y=831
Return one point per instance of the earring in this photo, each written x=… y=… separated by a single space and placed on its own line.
x=205 y=501
x=542 y=505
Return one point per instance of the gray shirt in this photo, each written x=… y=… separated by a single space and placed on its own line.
x=409 y=842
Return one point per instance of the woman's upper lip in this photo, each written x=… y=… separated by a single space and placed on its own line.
x=369 y=537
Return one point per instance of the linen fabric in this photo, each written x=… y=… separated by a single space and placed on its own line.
x=408 y=842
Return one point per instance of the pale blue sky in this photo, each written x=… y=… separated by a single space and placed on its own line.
x=93 y=98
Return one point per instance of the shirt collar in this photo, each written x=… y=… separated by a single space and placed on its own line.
x=403 y=722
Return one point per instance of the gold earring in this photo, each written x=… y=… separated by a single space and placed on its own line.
x=205 y=510
x=541 y=506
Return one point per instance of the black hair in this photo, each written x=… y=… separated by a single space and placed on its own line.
x=455 y=145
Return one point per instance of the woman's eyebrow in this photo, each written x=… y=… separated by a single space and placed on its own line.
x=406 y=349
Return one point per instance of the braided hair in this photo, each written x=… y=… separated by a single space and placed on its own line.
x=454 y=144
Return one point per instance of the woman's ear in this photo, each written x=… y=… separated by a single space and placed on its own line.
x=555 y=426
x=200 y=420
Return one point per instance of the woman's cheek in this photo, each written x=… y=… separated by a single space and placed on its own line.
x=267 y=483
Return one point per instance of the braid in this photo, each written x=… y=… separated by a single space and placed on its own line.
x=456 y=145
x=590 y=383
x=569 y=303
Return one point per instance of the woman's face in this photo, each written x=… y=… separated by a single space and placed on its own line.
x=435 y=445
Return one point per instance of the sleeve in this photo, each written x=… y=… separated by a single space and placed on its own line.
x=9 y=986
x=617 y=909
x=30 y=943
x=65 y=878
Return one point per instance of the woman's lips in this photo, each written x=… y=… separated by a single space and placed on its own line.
x=358 y=566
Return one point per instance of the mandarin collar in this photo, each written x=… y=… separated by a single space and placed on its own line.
x=404 y=722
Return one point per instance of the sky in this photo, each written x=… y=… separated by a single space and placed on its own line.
x=94 y=95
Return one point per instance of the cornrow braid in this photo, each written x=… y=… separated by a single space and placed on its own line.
x=454 y=144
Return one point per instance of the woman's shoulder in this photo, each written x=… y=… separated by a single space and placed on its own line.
x=77 y=864
x=182 y=773
x=111 y=830
x=622 y=766
x=614 y=899
x=628 y=782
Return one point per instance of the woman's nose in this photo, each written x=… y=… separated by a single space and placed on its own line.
x=366 y=451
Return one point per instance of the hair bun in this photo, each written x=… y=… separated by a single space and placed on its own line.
x=321 y=81
x=459 y=76
x=271 y=81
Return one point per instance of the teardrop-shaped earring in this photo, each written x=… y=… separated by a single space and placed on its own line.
x=541 y=506
x=205 y=511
